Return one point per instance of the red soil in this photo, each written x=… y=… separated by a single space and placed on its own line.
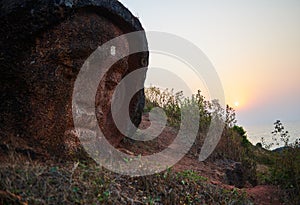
x=214 y=171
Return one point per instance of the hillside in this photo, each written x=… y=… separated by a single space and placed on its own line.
x=27 y=181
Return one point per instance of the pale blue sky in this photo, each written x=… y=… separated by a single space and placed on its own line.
x=254 y=46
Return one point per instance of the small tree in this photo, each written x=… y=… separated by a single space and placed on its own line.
x=230 y=117
x=279 y=131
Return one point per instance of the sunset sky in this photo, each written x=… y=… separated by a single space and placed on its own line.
x=254 y=46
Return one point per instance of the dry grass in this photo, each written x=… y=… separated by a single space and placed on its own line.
x=87 y=183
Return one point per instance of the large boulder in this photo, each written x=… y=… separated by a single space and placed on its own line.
x=42 y=48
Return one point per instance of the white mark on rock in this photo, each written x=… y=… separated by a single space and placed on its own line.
x=113 y=50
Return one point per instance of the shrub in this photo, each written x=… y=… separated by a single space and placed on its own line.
x=167 y=100
x=233 y=144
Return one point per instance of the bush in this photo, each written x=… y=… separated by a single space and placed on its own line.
x=233 y=145
x=167 y=100
x=172 y=103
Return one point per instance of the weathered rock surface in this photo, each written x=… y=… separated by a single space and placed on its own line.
x=42 y=48
x=235 y=175
x=241 y=174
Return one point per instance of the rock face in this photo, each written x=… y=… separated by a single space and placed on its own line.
x=235 y=175
x=241 y=174
x=43 y=46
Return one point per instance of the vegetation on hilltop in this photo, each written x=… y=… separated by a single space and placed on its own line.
x=84 y=182
x=233 y=144
x=283 y=163
x=259 y=164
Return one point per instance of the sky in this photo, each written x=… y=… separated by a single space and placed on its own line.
x=254 y=45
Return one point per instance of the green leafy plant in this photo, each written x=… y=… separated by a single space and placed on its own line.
x=192 y=175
